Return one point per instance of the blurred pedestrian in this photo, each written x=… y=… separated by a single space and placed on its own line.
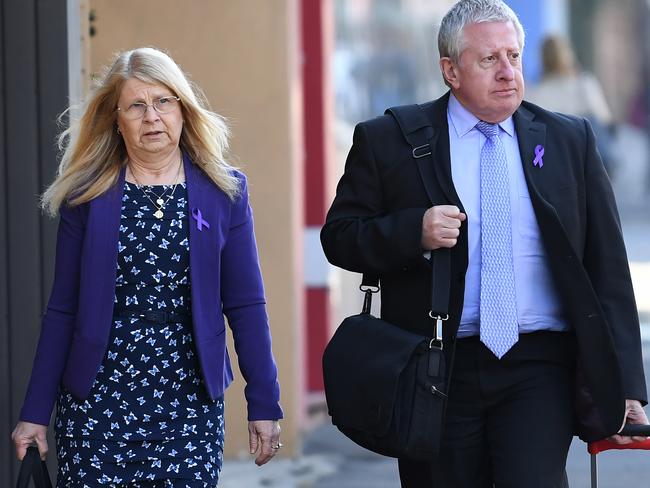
x=540 y=289
x=155 y=246
x=567 y=89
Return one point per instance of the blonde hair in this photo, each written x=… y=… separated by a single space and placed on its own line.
x=94 y=153
x=557 y=56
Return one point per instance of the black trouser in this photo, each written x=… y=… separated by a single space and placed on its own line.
x=509 y=423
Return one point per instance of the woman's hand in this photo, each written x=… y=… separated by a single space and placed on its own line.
x=264 y=435
x=25 y=434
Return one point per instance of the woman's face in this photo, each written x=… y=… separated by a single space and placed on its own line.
x=152 y=133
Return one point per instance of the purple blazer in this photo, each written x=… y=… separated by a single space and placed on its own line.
x=225 y=280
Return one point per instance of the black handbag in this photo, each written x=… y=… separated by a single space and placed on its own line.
x=32 y=468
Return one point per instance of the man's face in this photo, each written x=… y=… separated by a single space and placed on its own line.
x=487 y=80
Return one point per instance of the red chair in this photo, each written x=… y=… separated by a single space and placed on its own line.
x=604 y=445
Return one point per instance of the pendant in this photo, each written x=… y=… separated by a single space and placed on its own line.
x=160 y=202
x=158 y=214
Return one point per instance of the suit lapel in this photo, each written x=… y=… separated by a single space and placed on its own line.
x=104 y=229
x=106 y=226
x=544 y=182
x=204 y=249
x=532 y=135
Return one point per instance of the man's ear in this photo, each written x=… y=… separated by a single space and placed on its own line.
x=449 y=72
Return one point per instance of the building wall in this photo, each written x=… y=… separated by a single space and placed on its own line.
x=34 y=87
x=615 y=30
x=244 y=55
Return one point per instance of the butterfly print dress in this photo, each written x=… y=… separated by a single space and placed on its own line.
x=148 y=421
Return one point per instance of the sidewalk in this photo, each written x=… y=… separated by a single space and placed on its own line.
x=332 y=461
x=329 y=460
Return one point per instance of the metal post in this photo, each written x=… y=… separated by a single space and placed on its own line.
x=594 y=472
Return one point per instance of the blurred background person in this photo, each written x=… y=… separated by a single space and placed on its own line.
x=566 y=88
x=155 y=246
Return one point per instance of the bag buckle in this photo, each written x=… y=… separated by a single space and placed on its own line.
x=437 y=328
x=421 y=151
x=436 y=391
x=368 y=291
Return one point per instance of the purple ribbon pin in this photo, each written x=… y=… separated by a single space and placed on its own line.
x=539 y=152
x=200 y=221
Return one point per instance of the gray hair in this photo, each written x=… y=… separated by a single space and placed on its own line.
x=464 y=12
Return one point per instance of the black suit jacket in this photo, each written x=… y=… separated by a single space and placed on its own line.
x=375 y=225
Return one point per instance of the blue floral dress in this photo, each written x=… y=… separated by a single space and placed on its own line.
x=148 y=421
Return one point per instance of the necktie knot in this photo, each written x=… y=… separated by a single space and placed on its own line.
x=487 y=129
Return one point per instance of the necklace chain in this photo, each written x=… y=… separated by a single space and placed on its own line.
x=159 y=203
x=159 y=198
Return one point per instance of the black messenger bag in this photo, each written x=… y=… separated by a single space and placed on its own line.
x=386 y=387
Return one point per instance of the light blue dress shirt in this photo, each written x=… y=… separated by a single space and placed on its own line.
x=538 y=304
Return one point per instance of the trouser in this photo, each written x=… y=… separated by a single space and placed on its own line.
x=509 y=422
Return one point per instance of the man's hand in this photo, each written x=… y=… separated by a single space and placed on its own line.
x=634 y=414
x=25 y=434
x=441 y=226
x=264 y=435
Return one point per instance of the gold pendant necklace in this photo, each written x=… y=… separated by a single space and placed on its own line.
x=159 y=203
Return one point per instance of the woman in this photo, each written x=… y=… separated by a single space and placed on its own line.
x=564 y=87
x=155 y=245
x=567 y=89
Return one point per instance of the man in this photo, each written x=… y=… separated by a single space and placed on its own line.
x=540 y=288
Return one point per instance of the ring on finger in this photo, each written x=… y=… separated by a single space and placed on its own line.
x=278 y=446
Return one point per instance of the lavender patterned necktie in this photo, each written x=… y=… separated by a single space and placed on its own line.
x=498 y=312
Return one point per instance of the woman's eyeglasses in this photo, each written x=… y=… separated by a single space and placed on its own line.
x=162 y=105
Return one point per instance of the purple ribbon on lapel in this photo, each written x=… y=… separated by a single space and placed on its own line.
x=200 y=221
x=539 y=152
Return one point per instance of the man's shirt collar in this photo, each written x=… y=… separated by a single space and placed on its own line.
x=464 y=121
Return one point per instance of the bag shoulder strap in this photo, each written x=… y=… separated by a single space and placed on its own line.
x=416 y=128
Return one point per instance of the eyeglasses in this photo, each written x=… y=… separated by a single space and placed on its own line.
x=162 y=105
